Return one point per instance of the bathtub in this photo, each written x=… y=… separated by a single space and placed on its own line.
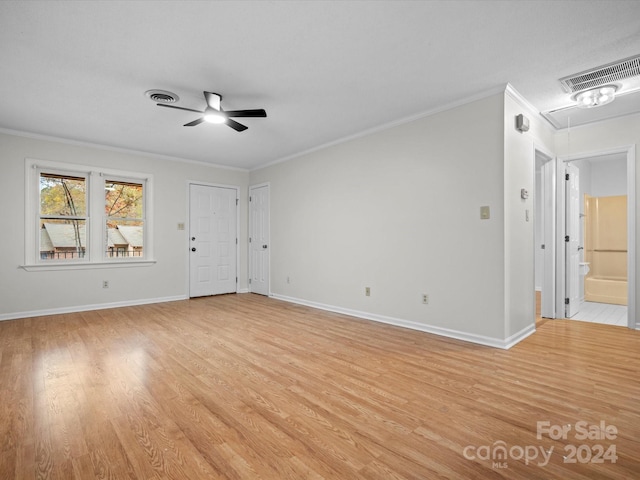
x=605 y=290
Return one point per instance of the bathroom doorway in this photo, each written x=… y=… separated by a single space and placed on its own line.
x=545 y=234
x=598 y=237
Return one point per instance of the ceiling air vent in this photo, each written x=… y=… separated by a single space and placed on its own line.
x=613 y=72
x=162 y=96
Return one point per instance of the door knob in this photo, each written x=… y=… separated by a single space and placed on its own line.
x=193 y=249
x=193 y=239
x=264 y=246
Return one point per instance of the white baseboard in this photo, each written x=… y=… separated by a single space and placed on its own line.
x=444 y=332
x=85 y=308
x=519 y=336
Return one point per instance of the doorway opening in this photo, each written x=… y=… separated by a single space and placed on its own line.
x=597 y=258
x=596 y=237
x=545 y=234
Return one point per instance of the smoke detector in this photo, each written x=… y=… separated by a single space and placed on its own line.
x=162 y=96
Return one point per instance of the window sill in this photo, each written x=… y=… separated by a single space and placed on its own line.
x=87 y=265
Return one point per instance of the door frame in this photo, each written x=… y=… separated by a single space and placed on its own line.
x=187 y=228
x=572 y=230
x=250 y=232
x=548 y=220
x=630 y=151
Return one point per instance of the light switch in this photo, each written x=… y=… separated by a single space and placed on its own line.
x=485 y=213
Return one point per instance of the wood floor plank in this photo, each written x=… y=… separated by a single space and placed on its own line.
x=248 y=387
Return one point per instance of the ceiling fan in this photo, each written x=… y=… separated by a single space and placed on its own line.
x=214 y=113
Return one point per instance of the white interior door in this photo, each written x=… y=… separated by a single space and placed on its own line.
x=212 y=240
x=572 y=241
x=259 y=239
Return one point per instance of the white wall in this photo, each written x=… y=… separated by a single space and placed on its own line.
x=608 y=177
x=398 y=211
x=519 y=173
x=23 y=292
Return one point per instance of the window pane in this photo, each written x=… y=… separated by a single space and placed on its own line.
x=123 y=199
x=124 y=238
x=63 y=195
x=62 y=239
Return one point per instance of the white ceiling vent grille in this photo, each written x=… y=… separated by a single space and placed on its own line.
x=613 y=72
x=162 y=96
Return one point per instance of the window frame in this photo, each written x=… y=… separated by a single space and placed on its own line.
x=105 y=217
x=96 y=225
x=39 y=216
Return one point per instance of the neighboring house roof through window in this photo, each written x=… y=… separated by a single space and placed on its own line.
x=63 y=235
x=133 y=235
x=115 y=238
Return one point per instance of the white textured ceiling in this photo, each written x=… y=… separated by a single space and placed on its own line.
x=323 y=70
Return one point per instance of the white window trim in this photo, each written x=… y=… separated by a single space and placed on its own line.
x=95 y=213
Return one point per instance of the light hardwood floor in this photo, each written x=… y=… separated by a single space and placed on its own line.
x=247 y=387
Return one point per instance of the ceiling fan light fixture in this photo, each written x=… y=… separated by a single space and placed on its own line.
x=215 y=117
x=596 y=97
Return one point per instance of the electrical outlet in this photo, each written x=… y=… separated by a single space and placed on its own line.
x=105 y=284
x=425 y=298
x=367 y=291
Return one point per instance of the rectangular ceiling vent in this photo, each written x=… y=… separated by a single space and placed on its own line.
x=613 y=72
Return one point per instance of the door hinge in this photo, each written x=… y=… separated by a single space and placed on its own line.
x=249 y=239
x=566 y=238
x=566 y=177
x=237 y=200
x=236 y=241
x=566 y=301
x=236 y=279
x=249 y=197
x=249 y=281
x=542 y=246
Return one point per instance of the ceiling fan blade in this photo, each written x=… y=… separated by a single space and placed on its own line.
x=238 y=127
x=194 y=123
x=213 y=100
x=179 y=108
x=257 y=113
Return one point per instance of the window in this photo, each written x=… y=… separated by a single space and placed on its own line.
x=124 y=217
x=82 y=216
x=62 y=216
